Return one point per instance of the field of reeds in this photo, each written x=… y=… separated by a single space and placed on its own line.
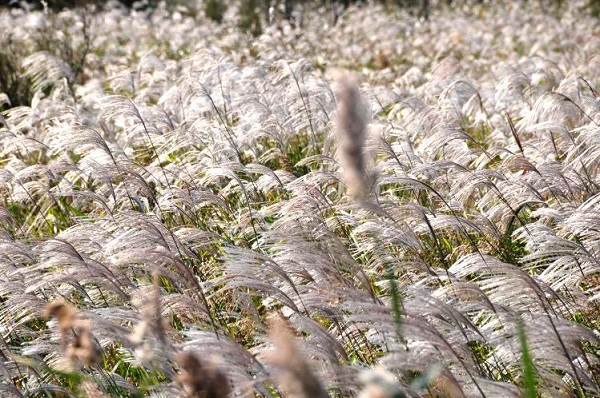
x=384 y=207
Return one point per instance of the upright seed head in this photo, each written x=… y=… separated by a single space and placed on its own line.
x=296 y=377
x=351 y=124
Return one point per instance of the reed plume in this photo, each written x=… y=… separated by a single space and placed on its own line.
x=351 y=129
x=294 y=374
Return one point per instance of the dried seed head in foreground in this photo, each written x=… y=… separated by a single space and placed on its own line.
x=64 y=313
x=296 y=378
x=201 y=378
x=446 y=385
x=351 y=124
x=84 y=348
x=78 y=344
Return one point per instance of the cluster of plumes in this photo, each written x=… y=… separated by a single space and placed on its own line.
x=172 y=204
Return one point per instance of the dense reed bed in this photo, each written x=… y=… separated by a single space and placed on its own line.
x=378 y=208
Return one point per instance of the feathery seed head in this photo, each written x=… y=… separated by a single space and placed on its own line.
x=351 y=123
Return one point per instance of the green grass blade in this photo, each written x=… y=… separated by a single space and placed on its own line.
x=529 y=374
x=396 y=302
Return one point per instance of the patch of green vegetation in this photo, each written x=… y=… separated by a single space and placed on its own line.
x=297 y=149
x=483 y=356
x=478 y=134
x=120 y=362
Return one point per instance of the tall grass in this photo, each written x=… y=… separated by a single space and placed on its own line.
x=427 y=227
